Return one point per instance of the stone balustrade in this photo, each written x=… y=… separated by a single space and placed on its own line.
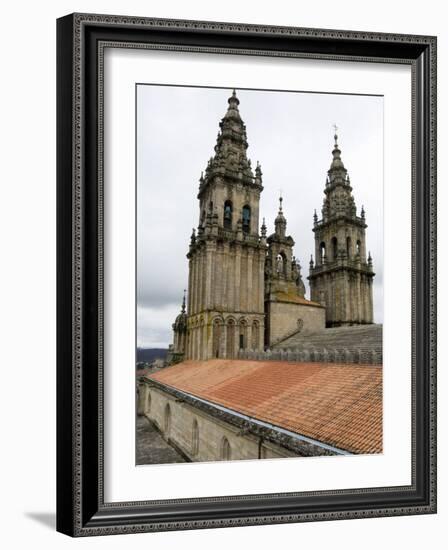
x=358 y=355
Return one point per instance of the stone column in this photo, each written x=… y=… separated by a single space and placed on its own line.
x=358 y=297
x=198 y=342
x=236 y=341
x=201 y=341
x=217 y=293
x=225 y=277
x=208 y=275
x=250 y=291
x=196 y=283
x=192 y=289
x=201 y=281
x=209 y=338
x=231 y=279
x=248 y=342
x=190 y=285
x=363 y=298
x=237 y=279
x=261 y=281
x=261 y=336
x=223 y=340
x=192 y=346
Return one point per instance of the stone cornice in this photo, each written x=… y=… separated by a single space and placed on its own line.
x=301 y=447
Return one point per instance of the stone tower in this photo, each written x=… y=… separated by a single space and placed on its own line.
x=225 y=309
x=287 y=309
x=341 y=277
x=282 y=271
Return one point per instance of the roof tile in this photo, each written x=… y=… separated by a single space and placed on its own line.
x=338 y=404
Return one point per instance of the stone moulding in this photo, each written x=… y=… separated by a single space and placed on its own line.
x=302 y=446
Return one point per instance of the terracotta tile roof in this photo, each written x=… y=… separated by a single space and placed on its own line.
x=338 y=404
x=290 y=297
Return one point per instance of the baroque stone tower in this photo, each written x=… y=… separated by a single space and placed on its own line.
x=341 y=277
x=287 y=309
x=282 y=271
x=225 y=310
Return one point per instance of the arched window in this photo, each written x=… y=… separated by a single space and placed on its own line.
x=281 y=264
x=216 y=338
x=334 y=246
x=230 y=339
x=246 y=219
x=226 y=451
x=358 y=248
x=167 y=420
x=322 y=252
x=349 y=247
x=228 y=215
x=243 y=334
x=195 y=438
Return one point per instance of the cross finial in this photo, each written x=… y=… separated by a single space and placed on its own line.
x=335 y=134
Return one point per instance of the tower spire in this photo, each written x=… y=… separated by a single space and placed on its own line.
x=337 y=164
x=230 y=152
x=280 y=220
x=340 y=244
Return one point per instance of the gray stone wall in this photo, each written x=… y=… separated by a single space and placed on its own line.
x=285 y=318
x=204 y=437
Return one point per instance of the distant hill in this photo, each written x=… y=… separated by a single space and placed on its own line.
x=147 y=355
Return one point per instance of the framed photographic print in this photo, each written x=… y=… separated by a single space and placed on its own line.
x=246 y=274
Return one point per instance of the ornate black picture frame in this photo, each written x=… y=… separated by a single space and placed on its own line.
x=81 y=509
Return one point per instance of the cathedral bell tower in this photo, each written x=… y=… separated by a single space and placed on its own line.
x=341 y=277
x=282 y=271
x=225 y=310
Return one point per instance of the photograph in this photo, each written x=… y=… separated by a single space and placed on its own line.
x=246 y=273
x=259 y=274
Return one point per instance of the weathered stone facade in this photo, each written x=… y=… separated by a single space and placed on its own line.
x=341 y=277
x=245 y=290
x=287 y=310
x=227 y=255
x=287 y=316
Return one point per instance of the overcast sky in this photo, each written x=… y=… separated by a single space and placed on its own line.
x=290 y=134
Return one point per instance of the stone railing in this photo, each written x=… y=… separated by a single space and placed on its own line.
x=353 y=263
x=341 y=355
x=230 y=235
